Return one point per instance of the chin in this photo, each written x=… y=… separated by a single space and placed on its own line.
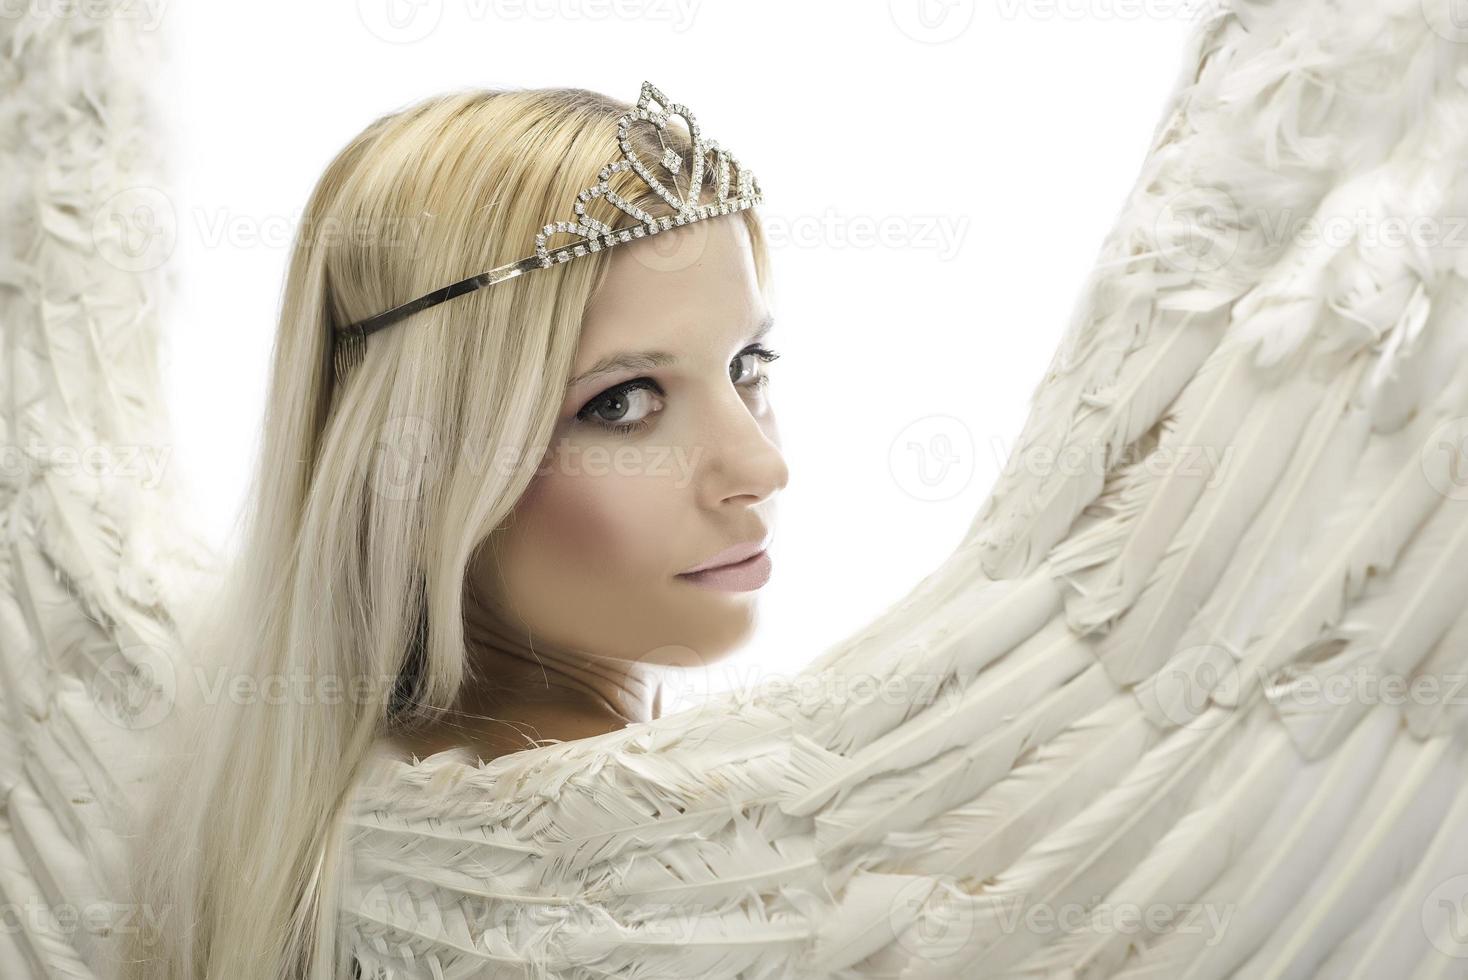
x=724 y=631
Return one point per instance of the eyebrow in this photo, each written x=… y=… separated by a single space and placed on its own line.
x=644 y=360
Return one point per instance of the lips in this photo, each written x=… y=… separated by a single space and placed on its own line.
x=740 y=576
x=729 y=556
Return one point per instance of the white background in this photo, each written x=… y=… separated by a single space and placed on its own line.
x=938 y=177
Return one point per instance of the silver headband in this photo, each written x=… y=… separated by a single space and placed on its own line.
x=652 y=106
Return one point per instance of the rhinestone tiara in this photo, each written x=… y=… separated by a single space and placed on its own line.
x=652 y=107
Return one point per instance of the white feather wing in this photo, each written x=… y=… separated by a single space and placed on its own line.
x=93 y=564
x=1131 y=756
x=1124 y=749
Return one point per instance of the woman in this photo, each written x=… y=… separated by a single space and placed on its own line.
x=1078 y=747
x=485 y=527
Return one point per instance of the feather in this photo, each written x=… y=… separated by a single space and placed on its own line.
x=1091 y=852
x=1122 y=553
x=1238 y=796
x=1442 y=683
x=1390 y=831
x=958 y=643
x=1386 y=501
x=1269 y=548
x=1412 y=924
x=1042 y=753
x=979 y=839
x=1144 y=636
x=1029 y=511
x=1032 y=670
x=1260 y=887
x=900 y=801
x=1387 y=633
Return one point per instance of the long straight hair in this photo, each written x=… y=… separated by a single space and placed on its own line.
x=340 y=618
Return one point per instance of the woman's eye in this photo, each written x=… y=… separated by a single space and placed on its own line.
x=625 y=407
x=750 y=364
x=630 y=405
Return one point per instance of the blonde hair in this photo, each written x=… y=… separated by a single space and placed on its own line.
x=367 y=507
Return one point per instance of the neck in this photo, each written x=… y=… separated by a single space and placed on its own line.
x=517 y=694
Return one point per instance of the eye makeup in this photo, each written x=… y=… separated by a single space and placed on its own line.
x=645 y=393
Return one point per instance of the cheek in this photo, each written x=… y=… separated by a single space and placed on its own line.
x=588 y=559
x=603 y=525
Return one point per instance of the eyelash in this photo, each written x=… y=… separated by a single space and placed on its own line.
x=765 y=354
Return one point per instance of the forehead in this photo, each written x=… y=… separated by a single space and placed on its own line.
x=660 y=289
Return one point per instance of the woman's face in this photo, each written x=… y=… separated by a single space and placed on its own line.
x=665 y=455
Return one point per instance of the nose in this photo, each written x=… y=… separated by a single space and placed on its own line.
x=742 y=458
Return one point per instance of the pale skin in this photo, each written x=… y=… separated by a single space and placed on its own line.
x=589 y=563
